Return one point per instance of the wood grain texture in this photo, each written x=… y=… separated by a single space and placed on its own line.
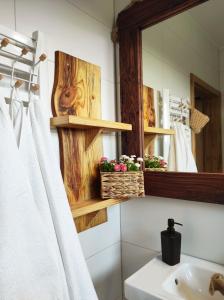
x=157 y=130
x=148 y=107
x=91 y=220
x=212 y=135
x=70 y=121
x=131 y=90
x=150 y=134
x=208 y=143
x=149 y=142
x=77 y=92
x=196 y=187
x=149 y=12
x=201 y=187
x=83 y=208
x=150 y=131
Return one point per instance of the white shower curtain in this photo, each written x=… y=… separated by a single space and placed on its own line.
x=40 y=253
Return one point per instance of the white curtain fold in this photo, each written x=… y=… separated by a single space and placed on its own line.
x=40 y=252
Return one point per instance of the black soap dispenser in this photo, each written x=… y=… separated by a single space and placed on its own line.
x=171 y=244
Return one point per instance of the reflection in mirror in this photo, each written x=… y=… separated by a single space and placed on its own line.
x=183 y=77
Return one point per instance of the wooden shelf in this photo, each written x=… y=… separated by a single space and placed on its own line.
x=89 y=206
x=161 y=131
x=152 y=132
x=71 y=121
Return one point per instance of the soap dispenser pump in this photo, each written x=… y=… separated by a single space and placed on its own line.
x=171 y=244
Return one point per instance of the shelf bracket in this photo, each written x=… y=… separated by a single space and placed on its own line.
x=91 y=220
x=149 y=139
x=91 y=135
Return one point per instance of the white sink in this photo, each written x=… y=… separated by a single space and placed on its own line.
x=189 y=280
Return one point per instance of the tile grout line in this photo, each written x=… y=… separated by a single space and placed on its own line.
x=102 y=250
x=139 y=246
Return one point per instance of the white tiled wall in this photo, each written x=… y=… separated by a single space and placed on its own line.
x=82 y=29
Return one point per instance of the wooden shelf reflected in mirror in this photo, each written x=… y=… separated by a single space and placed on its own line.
x=160 y=131
x=150 y=133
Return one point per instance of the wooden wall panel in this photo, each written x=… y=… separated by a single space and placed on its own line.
x=77 y=92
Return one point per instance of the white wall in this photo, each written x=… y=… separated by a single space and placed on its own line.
x=82 y=29
x=143 y=220
x=175 y=48
x=221 y=55
x=171 y=51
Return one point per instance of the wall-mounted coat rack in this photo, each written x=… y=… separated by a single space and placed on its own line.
x=20 y=55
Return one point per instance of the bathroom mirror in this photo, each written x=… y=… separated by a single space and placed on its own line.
x=182 y=85
x=170 y=77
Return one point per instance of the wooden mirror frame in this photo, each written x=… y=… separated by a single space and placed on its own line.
x=202 y=187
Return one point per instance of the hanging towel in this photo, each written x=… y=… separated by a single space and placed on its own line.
x=28 y=266
x=27 y=151
x=32 y=134
x=181 y=158
x=77 y=275
x=41 y=254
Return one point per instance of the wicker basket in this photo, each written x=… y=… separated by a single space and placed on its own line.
x=156 y=169
x=122 y=185
x=198 y=120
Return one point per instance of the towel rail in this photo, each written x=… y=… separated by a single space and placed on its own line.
x=18 y=58
x=19 y=64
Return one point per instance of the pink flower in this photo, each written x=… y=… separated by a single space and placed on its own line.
x=163 y=164
x=117 y=168
x=103 y=159
x=123 y=168
x=113 y=161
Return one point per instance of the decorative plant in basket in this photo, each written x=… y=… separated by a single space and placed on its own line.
x=123 y=178
x=155 y=163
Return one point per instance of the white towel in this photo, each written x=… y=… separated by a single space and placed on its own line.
x=28 y=268
x=181 y=158
x=40 y=252
x=26 y=145
x=77 y=275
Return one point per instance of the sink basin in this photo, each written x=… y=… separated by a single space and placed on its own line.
x=189 y=280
